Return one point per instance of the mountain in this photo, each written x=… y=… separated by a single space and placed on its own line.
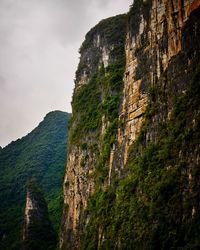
x=132 y=177
x=41 y=155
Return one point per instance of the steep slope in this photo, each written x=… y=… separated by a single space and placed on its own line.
x=38 y=232
x=133 y=179
x=42 y=155
x=96 y=98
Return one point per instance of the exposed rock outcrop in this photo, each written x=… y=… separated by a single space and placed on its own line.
x=120 y=167
x=101 y=53
x=155 y=36
x=38 y=232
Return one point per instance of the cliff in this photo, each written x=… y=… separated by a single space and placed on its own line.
x=41 y=155
x=97 y=94
x=132 y=178
x=38 y=232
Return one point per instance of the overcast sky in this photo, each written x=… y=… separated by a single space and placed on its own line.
x=39 y=42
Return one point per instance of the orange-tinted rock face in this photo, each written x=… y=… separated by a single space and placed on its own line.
x=78 y=186
x=148 y=53
x=153 y=40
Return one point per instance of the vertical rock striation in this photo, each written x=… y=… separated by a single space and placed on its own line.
x=37 y=231
x=155 y=37
x=98 y=85
x=131 y=180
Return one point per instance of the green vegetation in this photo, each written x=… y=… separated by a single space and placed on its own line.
x=38 y=232
x=101 y=96
x=40 y=155
x=98 y=102
x=96 y=105
x=109 y=33
x=111 y=29
x=156 y=205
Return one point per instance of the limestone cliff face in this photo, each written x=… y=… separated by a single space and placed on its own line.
x=37 y=230
x=100 y=48
x=31 y=205
x=154 y=39
x=120 y=165
x=101 y=53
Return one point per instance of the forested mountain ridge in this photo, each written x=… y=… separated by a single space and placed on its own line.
x=41 y=155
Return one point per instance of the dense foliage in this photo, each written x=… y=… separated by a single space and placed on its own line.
x=38 y=232
x=98 y=101
x=95 y=104
x=101 y=96
x=42 y=155
x=156 y=206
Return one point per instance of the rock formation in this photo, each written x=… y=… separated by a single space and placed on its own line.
x=37 y=231
x=102 y=53
x=133 y=164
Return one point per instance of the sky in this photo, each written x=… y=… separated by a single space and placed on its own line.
x=39 y=43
